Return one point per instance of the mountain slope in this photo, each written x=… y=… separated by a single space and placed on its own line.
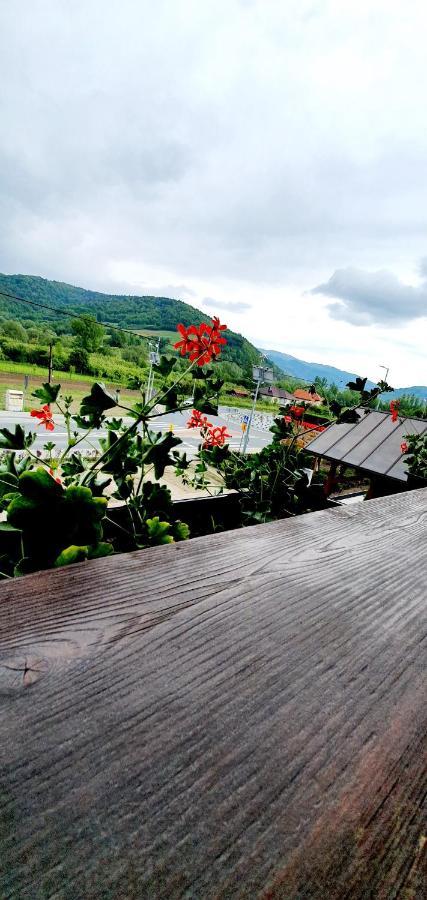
x=299 y=368
x=128 y=311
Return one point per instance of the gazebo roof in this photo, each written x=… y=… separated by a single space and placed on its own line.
x=372 y=444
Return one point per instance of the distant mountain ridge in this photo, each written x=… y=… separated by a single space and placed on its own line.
x=300 y=368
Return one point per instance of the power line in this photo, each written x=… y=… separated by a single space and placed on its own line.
x=63 y=312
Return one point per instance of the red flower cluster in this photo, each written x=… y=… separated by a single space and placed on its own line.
x=404 y=447
x=45 y=416
x=201 y=342
x=215 y=437
x=212 y=436
x=313 y=427
x=394 y=409
x=198 y=420
x=296 y=412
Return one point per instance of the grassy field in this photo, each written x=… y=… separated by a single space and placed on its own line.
x=77 y=385
x=12 y=376
x=241 y=403
x=171 y=336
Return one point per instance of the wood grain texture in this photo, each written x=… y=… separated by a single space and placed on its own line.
x=238 y=716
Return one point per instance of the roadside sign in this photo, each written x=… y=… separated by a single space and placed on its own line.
x=246 y=419
x=154 y=358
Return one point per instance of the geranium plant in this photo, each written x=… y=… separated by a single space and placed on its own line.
x=57 y=509
x=274 y=483
x=415 y=448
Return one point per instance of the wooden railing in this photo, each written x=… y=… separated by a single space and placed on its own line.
x=235 y=716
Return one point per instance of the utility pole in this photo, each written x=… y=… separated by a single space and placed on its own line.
x=260 y=374
x=154 y=360
x=49 y=371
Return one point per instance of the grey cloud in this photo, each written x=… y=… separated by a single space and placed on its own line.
x=373 y=297
x=227 y=305
x=422 y=268
x=211 y=143
x=175 y=291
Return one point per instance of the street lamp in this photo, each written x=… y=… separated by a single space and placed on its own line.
x=260 y=374
x=387 y=369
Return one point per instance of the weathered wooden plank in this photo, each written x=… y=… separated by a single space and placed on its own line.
x=237 y=716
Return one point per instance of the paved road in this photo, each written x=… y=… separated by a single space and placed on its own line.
x=190 y=439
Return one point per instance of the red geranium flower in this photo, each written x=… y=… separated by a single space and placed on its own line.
x=297 y=412
x=45 y=416
x=52 y=473
x=404 y=447
x=185 y=345
x=198 y=420
x=215 y=437
x=394 y=409
x=201 y=343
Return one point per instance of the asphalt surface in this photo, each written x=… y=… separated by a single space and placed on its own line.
x=177 y=421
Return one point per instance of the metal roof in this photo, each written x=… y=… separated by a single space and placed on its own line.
x=372 y=444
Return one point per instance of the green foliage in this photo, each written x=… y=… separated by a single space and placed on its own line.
x=47 y=393
x=12 y=329
x=53 y=521
x=416 y=457
x=96 y=403
x=15 y=440
x=140 y=313
x=89 y=333
x=158 y=532
x=272 y=483
x=80 y=360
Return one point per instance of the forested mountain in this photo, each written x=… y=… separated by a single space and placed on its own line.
x=156 y=313
x=299 y=368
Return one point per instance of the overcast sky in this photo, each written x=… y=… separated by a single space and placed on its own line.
x=265 y=160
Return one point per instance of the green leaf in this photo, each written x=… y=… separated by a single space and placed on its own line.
x=7 y=483
x=73 y=466
x=5 y=526
x=171 y=399
x=114 y=424
x=15 y=440
x=181 y=531
x=165 y=366
x=98 y=551
x=200 y=372
x=47 y=393
x=203 y=402
x=71 y=555
x=349 y=416
x=38 y=485
x=158 y=453
x=158 y=531
x=358 y=385
x=95 y=404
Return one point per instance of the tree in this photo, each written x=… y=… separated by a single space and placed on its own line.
x=14 y=330
x=79 y=358
x=88 y=332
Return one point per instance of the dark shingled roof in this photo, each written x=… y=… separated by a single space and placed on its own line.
x=372 y=444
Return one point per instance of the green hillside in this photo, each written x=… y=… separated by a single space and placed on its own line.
x=141 y=313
